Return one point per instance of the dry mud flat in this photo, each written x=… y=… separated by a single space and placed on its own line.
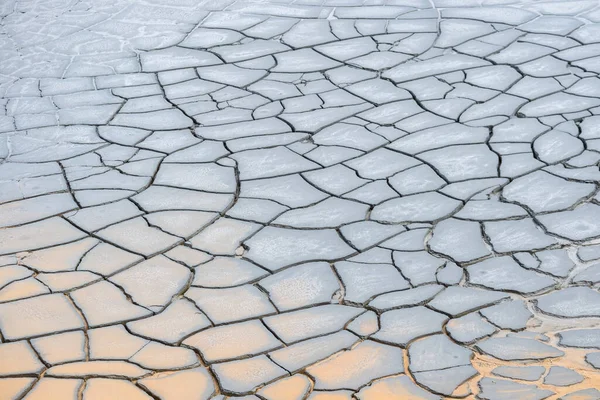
x=322 y=200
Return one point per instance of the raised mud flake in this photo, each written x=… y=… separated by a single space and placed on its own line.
x=230 y=75
x=560 y=376
x=450 y=274
x=336 y=179
x=378 y=91
x=193 y=383
x=171 y=118
x=461 y=240
x=157 y=356
x=399 y=387
x=578 y=224
x=593 y=359
x=274 y=248
x=589 y=275
x=204 y=177
x=243 y=376
x=542 y=192
x=558 y=103
x=532 y=373
x=469 y=328
x=138 y=237
x=424 y=207
x=503 y=273
x=60 y=388
x=206 y=151
x=252 y=51
x=412 y=240
x=500 y=389
x=363 y=281
x=512 y=348
x=23 y=289
x=458 y=300
x=556 y=145
x=15 y=388
x=159 y=198
x=465 y=190
x=455 y=32
x=167 y=141
x=457 y=163
x=60 y=348
x=231 y=304
x=364 y=325
x=508 y=315
x=301 y=286
x=49 y=232
x=439 y=137
x=434 y=66
x=447 y=381
x=588 y=253
x=587 y=338
x=353 y=136
x=106 y=259
x=36 y=208
x=405 y=298
x=558 y=263
x=311 y=322
x=65 y=281
x=517 y=235
x=493 y=111
x=437 y=352
x=354 y=368
x=418 y=267
x=98 y=388
x=258 y=210
x=103 y=303
x=330 y=213
x=419 y=179
x=292 y=388
x=372 y=193
x=572 y=302
x=19 y=359
x=153 y=282
x=391 y=113
x=364 y=234
x=520 y=52
x=449 y=108
x=267 y=163
x=177 y=320
x=38 y=316
x=515 y=165
x=313 y=121
x=498 y=77
x=231 y=341
x=381 y=164
x=226 y=272
x=584 y=394
x=113 y=343
x=176 y=58
x=88 y=369
x=223 y=236
x=180 y=223
x=402 y=326
x=307 y=352
x=97 y=217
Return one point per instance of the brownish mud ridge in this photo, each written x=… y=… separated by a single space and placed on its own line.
x=299 y=200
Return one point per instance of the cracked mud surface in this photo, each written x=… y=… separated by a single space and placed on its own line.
x=291 y=200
